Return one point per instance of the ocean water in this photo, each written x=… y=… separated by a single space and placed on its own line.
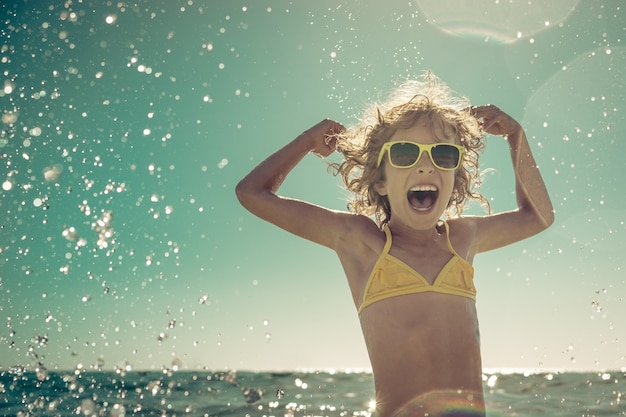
x=244 y=394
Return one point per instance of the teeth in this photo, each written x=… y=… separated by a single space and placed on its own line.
x=423 y=188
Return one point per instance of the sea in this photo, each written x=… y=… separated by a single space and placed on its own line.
x=294 y=393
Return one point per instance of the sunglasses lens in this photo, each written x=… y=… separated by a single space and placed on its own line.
x=404 y=154
x=445 y=156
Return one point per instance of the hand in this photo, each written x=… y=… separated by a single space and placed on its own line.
x=324 y=136
x=494 y=121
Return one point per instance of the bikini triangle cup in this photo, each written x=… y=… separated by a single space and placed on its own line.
x=392 y=277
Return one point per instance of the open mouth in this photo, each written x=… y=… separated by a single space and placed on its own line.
x=422 y=197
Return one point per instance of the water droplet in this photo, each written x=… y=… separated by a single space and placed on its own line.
x=252 y=395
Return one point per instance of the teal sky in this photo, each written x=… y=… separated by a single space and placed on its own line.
x=126 y=126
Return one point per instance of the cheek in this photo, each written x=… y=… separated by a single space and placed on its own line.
x=450 y=181
x=381 y=187
x=381 y=183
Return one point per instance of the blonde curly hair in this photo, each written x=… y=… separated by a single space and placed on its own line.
x=447 y=113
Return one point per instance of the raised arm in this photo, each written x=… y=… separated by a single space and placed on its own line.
x=257 y=191
x=534 y=209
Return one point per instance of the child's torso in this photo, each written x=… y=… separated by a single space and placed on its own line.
x=420 y=324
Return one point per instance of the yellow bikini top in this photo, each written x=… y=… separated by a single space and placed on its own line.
x=392 y=277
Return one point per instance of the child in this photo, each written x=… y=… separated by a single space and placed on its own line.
x=412 y=162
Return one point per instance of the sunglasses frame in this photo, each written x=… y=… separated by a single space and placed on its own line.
x=423 y=147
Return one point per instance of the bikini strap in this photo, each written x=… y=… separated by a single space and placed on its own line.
x=388 y=235
x=450 y=248
x=388 y=241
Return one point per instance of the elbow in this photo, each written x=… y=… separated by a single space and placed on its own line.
x=536 y=221
x=251 y=197
x=550 y=218
x=539 y=213
x=547 y=214
x=544 y=219
x=242 y=191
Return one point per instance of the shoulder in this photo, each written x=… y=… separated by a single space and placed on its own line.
x=359 y=234
x=463 y=232
x=359 y=246
x=463 y=225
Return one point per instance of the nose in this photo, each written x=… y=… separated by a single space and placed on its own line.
x=424 y=164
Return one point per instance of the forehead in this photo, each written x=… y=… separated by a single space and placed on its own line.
x=427 y=130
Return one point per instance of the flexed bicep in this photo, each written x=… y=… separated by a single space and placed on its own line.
x=534 y=210
x=257 y=191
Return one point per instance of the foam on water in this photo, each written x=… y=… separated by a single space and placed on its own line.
x=292 y=394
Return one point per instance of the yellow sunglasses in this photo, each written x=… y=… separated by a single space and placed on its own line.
x=403 y=154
